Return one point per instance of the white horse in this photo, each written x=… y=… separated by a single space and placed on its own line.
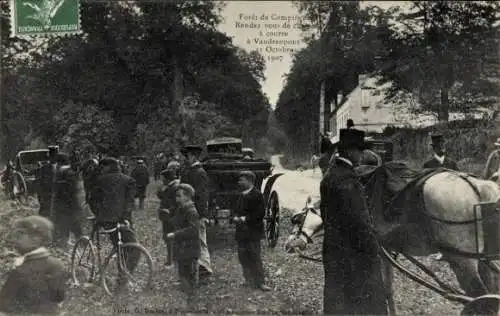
x=444 y=222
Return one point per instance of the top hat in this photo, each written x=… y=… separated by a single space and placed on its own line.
x=352 y=138
x=350 y=123
x=326 y=145
x=191 y=149
x=437 y=138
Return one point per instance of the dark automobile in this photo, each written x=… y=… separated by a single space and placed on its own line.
x=27 y=163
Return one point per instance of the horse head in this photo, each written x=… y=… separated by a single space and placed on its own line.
x=305 y=224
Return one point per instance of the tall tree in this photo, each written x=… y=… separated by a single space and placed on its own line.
x=439 y=52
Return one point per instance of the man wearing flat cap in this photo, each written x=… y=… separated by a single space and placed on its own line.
x=197 y=177
x=45 y=182
x=353 y=275
x=440 y=159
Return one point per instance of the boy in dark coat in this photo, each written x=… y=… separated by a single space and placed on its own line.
x=141 y=176
x=249 y=219
x=185 y=238
x=166 y=194
x=38 y=283
x=197 y=177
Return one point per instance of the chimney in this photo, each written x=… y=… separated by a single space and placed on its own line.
x=362 y=78
x=340 y=96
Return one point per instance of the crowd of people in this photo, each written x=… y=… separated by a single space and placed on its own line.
x=110 y=195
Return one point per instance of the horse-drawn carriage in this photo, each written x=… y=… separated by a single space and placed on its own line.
x=462 y=224
x=224 y=160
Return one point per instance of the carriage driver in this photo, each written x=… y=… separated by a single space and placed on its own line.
x=440 y=159
x=351 y=261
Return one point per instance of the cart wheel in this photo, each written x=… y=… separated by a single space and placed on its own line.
x=272 y=220
x=83 y=261
x=483 y=305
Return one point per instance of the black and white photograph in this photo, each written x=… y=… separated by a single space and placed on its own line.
x=178 y=157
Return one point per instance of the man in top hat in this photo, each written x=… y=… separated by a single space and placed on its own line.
x=45 y=182
x=67 y=212
x=197 y=177
x=351 y=261
x=440 y=159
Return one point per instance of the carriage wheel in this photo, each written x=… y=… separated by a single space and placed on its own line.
x=83 y=261
x=272 y=220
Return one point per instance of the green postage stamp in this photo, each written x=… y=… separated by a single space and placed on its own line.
x=44 y=17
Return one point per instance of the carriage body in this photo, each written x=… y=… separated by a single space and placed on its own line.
x=27 y=163
x=223 y=163
x=224 y=160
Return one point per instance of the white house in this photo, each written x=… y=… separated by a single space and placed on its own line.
x=367 y=107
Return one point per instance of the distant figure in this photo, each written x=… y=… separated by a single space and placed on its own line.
x=440 y=159
x=314 y=162
x=8 y=179
x=141 y=176
x=492 y=168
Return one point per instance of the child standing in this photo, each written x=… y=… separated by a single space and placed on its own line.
x=38 y=283
x=166 y=194
x=186 y=239
x=249 y=219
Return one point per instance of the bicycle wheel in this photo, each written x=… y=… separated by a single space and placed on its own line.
x=138 y=279
x=83 y=261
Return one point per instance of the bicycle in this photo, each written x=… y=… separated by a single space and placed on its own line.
x=91 y=260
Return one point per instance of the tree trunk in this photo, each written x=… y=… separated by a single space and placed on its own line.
x=444 y=107
x=177 y=90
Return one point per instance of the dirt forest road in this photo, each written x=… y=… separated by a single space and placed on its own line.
x=297 y=283
x=295 y=186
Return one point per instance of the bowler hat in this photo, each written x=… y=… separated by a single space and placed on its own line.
x=437 y=138
x=352 y=138
x=109 y=161
x=191 y=149
x=247 y=174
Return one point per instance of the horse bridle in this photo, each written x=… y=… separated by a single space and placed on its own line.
x=300 y=231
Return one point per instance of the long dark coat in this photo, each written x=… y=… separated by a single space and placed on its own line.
x=250 y=205
x=112 y=197
x=353 y=276
x=141 y=176
x=197 y=177
x=45 y=186
x=167 y=201
x=185 y=223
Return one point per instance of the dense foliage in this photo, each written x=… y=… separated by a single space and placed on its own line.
x=445 y=53
x=143 y=77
